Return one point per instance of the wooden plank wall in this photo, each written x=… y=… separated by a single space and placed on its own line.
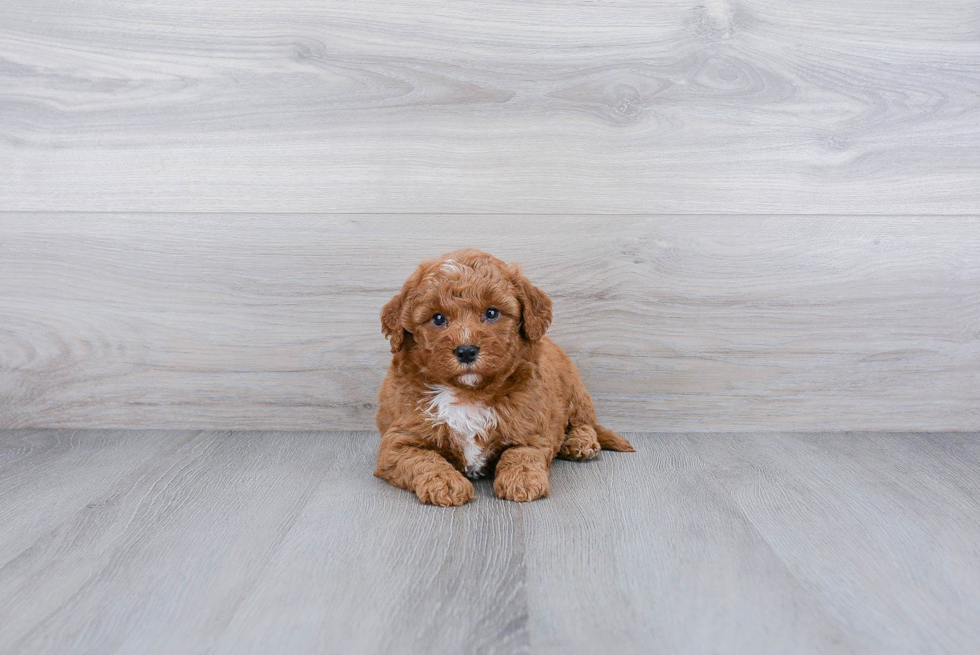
x=677 y=322
x=751 y=215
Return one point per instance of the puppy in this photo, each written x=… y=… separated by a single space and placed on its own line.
x=475 y=386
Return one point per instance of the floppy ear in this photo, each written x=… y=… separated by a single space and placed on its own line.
x=535 y=306
x=391 y=322
x=395 y=314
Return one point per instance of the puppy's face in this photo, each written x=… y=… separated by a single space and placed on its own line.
x=468 y=317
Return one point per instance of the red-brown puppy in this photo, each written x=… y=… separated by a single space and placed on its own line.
x=475 y=385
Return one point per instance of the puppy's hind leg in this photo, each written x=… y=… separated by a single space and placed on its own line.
x=583 y=424
x=581 y=443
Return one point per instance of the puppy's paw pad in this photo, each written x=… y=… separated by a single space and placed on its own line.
x=522 y=486
x=444 y=489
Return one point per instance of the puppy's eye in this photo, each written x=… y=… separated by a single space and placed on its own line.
x=439 y=320
x=491 y=314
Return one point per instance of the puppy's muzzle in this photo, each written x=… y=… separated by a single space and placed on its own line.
x=466 y=354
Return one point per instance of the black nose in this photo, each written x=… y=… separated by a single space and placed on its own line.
x=466 y=354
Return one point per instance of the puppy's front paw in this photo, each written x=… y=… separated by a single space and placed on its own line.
x=444 y=488
x=521 y=484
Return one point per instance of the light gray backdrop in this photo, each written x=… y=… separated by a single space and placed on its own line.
x=752 y=215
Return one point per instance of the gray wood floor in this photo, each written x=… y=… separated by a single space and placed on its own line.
x=266 y=542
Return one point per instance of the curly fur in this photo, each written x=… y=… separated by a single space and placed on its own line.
x=520 y=404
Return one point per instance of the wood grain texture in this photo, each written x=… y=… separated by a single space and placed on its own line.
x=682 y=323
x=677 y=569
x=229 y=542
x=390 y=575
x=176 y=543
x=576 y=106
x=902 y=500
x=54 y=473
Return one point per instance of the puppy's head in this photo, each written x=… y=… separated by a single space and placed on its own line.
x=467 y=317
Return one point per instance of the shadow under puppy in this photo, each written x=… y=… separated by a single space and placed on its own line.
x=474 y=385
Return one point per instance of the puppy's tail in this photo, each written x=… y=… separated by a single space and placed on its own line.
x=609 y=440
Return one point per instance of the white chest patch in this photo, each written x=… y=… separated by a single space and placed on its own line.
x=466 y=422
